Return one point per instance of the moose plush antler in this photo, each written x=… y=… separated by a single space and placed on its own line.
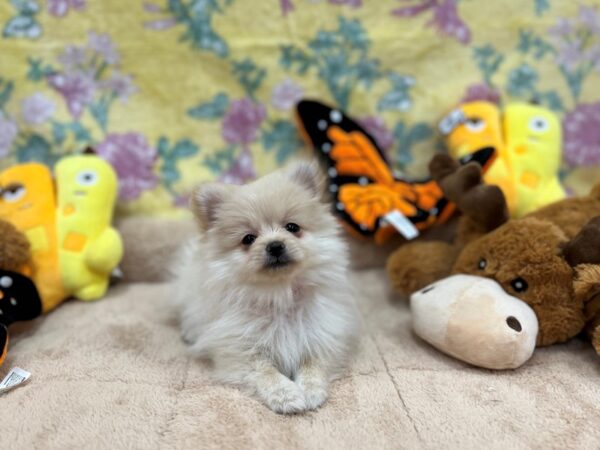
x=511 y=284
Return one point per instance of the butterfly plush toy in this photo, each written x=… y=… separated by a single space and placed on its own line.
x=369 y=197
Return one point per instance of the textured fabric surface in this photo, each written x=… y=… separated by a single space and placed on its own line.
x=172 y=92
x=114 y=374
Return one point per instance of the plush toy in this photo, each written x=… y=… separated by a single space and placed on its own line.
x=368 y=196
x=19 y=298
x=28 y=202
x=89 y=248
x=513 y=284
x=528 y=141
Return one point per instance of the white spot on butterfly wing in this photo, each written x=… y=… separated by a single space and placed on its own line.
x=335 y=116
x=322 y=125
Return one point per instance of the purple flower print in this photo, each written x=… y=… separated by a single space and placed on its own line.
x=160 y=24
x=582 y=135
x=352 y=3
x=60 y=8
x=37 y=109
x=481 y=92
x=242 y=121
x=376 y=127
x=589 y=18
x=72 y=57
x=445 y=17
x=8 y=133
x=241 y=171
x=119 y=85
x=151 y=7
x=103 y=45
x=563 y=28
x=133 y=160
x=286 y=6
x=77 y=89
x=286 y=94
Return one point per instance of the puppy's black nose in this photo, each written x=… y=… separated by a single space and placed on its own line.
x=275 y=248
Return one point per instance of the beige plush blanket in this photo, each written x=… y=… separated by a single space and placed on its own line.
x=115 y=374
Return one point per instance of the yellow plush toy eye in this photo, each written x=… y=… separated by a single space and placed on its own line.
x=475 y=124
x=87 y=178
x=538 y=125
x=13 y=193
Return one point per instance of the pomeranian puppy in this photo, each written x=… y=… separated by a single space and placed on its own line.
x=263 y=290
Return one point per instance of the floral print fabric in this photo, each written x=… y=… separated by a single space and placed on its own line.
x=174 y=92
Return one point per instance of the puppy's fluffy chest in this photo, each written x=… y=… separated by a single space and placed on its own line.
x=285 y=325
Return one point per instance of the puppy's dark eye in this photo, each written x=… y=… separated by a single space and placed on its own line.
x=519 y=284
x=248 y=239
x=292 y=227
x=482 y=264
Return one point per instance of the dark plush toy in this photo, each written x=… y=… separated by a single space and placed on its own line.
x=19 y=298
x=512 y=284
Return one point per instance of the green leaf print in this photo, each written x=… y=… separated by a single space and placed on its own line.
x=541 y=6
x=36 y=72
x=529 y=43
x=213 y=109
x=170 y=157
x=340 y=57
x=24 y=24
x=282 y=138
x=36 y=149
x=249 y=75
x=398 y=97
x=221 y=159
x=488 y=60
x=6 y=88
x=197 y=16
x=406 y=137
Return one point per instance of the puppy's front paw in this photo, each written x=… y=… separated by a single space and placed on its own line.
x=286 y=398
x=315 y=388
x=315 y=396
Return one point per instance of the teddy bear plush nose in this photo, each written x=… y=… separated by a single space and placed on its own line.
x=275 y=248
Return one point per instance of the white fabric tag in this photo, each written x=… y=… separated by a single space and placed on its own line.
x=451 y=121
x=404 y=226
x=14 y=378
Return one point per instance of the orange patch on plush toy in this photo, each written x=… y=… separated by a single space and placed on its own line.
x=74 y=242
x=530 y=179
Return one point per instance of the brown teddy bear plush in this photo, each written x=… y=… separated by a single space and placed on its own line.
x=548 y=261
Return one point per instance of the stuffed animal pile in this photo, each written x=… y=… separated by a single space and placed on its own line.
x=56 y=238
x=503 y=286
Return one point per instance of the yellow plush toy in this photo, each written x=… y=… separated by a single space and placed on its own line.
x=28 y=202
x=89 y=248
x=528 y=143
x=533 y=151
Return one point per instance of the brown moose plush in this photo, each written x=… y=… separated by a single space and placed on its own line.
x=503 y=286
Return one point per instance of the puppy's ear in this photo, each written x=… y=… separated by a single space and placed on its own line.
x=206 y=200
x=308 y=175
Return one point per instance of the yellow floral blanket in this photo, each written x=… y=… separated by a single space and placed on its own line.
x=173 y=92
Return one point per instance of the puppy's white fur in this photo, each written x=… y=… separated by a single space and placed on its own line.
x=281 y=333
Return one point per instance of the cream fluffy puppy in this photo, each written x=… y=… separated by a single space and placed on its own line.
x=263 y=290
